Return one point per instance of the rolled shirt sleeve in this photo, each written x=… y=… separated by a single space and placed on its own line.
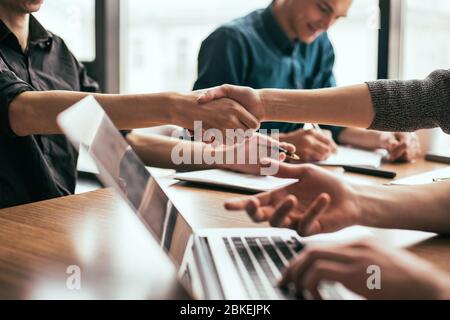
x=412 y=105
x=10 y=87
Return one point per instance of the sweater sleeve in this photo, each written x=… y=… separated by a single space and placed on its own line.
x=412 y=105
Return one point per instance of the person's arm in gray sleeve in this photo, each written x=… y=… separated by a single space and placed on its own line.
x=412 y=105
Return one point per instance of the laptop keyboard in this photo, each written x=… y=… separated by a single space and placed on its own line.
x=264 y=259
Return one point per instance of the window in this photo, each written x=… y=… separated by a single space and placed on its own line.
x=74 y=21
x=161 y=39
x=355 y=41
x=425 y=47
x=426 y=37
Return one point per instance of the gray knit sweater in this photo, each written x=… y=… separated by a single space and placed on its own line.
x=412 y=105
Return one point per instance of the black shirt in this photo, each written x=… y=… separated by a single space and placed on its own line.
x=34 y=168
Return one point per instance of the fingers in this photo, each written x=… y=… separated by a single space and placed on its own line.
x=316 y=152
x=290 y=170
x=288 y=146
x=281 y=212
x=408 y=149
x=321 y=148
x=313 y=145
x=323 y=270
x=301 y=265
x=258 y=213
x=248 y=119
x=318 y=207
x=240 y=204
x=398 y=151
x=326 y=139
x=252 y=205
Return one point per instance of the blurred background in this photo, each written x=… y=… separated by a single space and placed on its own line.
x=133 y=46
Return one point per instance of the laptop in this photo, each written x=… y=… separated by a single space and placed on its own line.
x=230 y=263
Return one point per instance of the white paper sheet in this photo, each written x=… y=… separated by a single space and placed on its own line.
x=234 y=180
x=346 y=156
x=424 y=178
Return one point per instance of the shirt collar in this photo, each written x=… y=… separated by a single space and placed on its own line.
x=38 y=34
x=275 y=32
x=4 y=31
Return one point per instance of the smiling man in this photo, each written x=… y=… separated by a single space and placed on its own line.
x=286 y=46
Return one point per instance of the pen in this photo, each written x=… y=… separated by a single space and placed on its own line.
x=371 y=172
x=441 y=179
x=290 y=155
x=316 y=127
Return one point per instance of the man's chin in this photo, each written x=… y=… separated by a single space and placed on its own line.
x=308 y=40
x=35 y=8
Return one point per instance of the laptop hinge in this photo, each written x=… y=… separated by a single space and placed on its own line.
x=207 y=269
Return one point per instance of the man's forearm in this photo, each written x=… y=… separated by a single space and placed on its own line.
x=36 y=112
x=346 y=106
x=158 y=151
x=424 y=208
x=360 y=138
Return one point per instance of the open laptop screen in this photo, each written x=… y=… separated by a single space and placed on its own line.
x=88 y=126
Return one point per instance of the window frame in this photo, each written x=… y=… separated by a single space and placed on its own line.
x=105 y=69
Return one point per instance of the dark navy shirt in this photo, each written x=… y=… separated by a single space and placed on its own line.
x=36 y=167
x=254 y=51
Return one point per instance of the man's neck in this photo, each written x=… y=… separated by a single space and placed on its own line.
x=18 y=23
x=280 y=11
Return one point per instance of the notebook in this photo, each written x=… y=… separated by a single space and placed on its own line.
x=425 y=178
x=346 y=156
x=234 y=180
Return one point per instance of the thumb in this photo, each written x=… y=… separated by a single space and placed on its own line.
x=390 y=143
x=289 y=147
x=286 y=170
x=212 y=94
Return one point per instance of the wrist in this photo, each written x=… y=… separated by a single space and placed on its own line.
x=219 y=156
x=179 y=105
x=267 y=110
x=383 y=139
x=369 y=206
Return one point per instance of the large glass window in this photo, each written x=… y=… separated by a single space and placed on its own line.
x=74 y=21
x=426 y=47
x=355 y=41
x=161 y=39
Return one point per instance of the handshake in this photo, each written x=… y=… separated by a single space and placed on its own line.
x=228 y=107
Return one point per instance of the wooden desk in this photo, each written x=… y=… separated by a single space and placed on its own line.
x=202 y=207
x=97 y=232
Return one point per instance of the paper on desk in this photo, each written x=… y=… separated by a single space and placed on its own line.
x=424 y=178
x=346 y=156
x=235 y=180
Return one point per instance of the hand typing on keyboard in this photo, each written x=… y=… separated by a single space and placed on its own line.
x=402 y=275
